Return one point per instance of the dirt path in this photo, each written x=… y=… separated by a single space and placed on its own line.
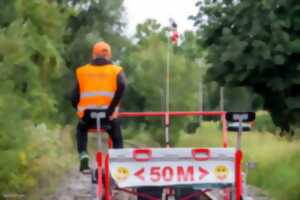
x=256 y=193
x=76 y=186
x=253 y=193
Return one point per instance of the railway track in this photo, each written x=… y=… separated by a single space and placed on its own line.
x=76 y=186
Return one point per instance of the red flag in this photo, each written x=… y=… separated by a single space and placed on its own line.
x=174 y=32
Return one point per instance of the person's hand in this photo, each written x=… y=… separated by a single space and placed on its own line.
x=115 y=115
x=108 y=113
x=112 y=114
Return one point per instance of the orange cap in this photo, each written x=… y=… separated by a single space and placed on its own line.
x=102 y=49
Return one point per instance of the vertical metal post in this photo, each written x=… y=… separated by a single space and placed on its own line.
x=200 y=91
x=99 y=154
x=167 y=126
x=222 y=98
x=162 y=104
x=99 y=177
x=167 y=117
x=239 y=157
x=98 y=116
x=225 y=145
x=238 y=174
x=98 y=127
x=107 y=178
x=239 y=134
x=224 y=128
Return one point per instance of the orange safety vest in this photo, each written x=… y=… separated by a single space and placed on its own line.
x=97 y=86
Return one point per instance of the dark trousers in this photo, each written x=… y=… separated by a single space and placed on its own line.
x=114 y=132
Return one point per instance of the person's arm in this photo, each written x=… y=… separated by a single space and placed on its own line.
x=75 y=97
x=121 y=86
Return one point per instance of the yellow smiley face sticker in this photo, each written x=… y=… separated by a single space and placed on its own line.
x=221 y=172
x=121 y=174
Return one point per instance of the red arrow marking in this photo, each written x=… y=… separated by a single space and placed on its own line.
x=203 y=173
x=140 y=174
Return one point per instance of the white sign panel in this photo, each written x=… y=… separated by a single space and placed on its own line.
x=181 y=166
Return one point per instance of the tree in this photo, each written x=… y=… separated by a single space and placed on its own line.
x=31 y=44
x=145 y=65
x=37 y=39
x=94 y=21
x=256 y=44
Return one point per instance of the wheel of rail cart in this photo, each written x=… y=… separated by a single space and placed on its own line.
x=184 y=192
x=94 y=176
x=232 y=194
x=150 y=191
x=94 y=179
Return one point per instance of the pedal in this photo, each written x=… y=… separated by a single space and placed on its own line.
x=87 y=172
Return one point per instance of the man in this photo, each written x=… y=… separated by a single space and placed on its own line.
x=100 y=85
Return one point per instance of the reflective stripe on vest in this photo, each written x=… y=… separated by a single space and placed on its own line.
x=83 y=108
x=97 y=93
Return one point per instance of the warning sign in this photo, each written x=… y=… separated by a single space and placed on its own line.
x=163 y=167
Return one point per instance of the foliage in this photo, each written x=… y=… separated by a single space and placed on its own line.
x=245 y=50
x=42 y=41
x=37 y=39
x=146 y=69
x=277 y=175
x=92 y=22
x=240 y=99
x=137 y=138
x=263 y=122
x=30 y=62
x=30 y=58
x=47 y=153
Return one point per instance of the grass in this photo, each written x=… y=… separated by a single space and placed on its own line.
x=278 y=159
x=50 y=154
x=138 y=138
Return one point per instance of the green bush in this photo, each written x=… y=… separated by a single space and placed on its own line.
x=264 y=123
x=46 y=156
x=278 y=159
x=279 y=177
x=140 y=137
